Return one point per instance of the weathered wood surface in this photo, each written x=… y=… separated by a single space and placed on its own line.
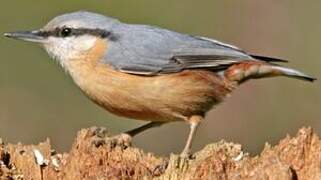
x=91 y=157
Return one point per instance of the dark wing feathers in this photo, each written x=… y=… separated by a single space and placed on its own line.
x=203 y=61
x=197 y=58
x=268 y=59
x=215 y=62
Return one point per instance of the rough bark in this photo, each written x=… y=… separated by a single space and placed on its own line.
x=95 y=156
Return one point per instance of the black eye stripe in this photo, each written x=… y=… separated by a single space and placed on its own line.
x=76 y=32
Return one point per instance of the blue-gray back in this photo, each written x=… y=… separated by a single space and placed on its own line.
x=142 y=49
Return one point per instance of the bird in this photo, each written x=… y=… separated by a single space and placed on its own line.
x=149 y=73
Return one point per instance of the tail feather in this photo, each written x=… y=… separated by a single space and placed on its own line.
x=255 y=69
x=292 y=73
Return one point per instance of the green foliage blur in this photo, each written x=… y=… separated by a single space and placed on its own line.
x=38 y=100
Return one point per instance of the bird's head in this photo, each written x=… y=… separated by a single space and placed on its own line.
x=70 y=35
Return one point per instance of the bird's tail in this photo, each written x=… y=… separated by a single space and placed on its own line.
x=257 y=69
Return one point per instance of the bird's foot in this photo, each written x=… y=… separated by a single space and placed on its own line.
x=161 y=168
x=187 y=154
x=101 y=138
x=124 y=140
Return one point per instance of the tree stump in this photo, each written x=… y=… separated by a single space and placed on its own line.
x=95 y=156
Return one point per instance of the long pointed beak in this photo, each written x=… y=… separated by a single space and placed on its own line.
x=31 y=36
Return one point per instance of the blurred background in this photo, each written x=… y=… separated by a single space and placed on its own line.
x=37 y=99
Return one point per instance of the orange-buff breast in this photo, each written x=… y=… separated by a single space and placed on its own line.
x=169 y=97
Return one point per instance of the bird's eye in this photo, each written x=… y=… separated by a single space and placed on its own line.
x=65 y=32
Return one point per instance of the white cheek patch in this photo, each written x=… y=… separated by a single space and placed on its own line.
x=64 y=49
x=83 y=43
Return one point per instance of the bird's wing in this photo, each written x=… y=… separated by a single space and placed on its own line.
x=147 y=50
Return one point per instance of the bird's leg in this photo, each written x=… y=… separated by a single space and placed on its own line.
x=142 y=128
x=124 y=139
x=193 y=122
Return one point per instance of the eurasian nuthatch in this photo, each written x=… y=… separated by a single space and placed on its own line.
x=149 y=73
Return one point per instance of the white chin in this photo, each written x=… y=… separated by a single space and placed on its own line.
x=64 y=49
